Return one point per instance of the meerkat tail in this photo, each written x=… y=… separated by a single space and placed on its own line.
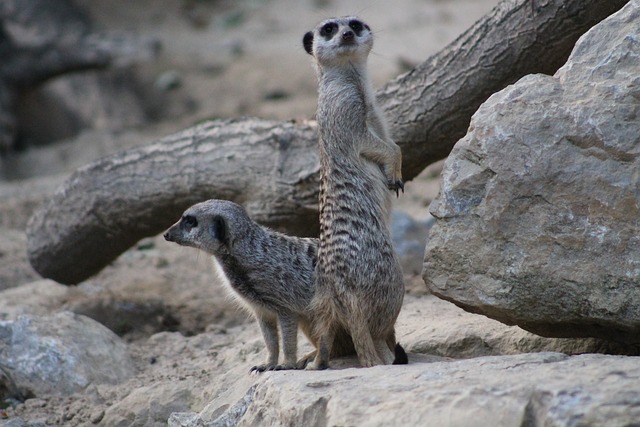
x=401 y=357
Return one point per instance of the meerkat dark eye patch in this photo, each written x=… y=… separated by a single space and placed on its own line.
x=188 y=222
x=307 y=42
x=218 y=228
x=328 y=30
x=356 y=26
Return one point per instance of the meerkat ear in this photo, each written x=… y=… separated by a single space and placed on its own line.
x=219 y=229
x=307 y=42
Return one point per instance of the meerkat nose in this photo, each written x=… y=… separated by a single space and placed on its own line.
x=348 y=35
x=167 y=236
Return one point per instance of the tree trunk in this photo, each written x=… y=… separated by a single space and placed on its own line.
x=272 y=167
x=106 y=207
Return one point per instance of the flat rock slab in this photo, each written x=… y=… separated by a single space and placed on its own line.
x=528 y=389
x=538 y=215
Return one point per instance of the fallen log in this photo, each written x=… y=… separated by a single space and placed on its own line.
x=431 y=106
x=272 y=167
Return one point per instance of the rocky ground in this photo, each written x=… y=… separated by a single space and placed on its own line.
x=188 y=348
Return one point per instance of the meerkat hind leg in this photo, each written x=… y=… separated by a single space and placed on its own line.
x=384 y=352
x=391 y=340
x=323 y=353
x=366 y=348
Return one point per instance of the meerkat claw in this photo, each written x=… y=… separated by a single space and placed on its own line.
x=258 y=369
x=397 y=186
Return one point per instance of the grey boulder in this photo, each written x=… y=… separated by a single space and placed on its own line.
x=538 y=218
x=61 y=354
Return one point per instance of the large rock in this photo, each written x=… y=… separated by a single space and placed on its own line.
x=538 y=215
x=61 y=354
x=486 y=391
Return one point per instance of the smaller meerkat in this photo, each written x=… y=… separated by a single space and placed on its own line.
x=272 y=275
x=359 y=281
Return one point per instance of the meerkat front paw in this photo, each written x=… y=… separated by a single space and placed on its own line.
x=396 y=186
x=259 y=369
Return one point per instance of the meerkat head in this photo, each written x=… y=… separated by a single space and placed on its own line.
x=337 y=41
x=209 y=226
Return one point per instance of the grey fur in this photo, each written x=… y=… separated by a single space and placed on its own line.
x=271 y=273
x=359 y=283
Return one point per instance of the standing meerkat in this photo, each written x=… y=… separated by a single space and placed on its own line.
x=272 y=275
x=359 y=281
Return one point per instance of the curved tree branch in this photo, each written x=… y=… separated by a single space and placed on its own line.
x=431 y=106
x=107 y=206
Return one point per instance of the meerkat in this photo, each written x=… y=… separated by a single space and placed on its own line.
x=272 y=275
x=359 y=280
